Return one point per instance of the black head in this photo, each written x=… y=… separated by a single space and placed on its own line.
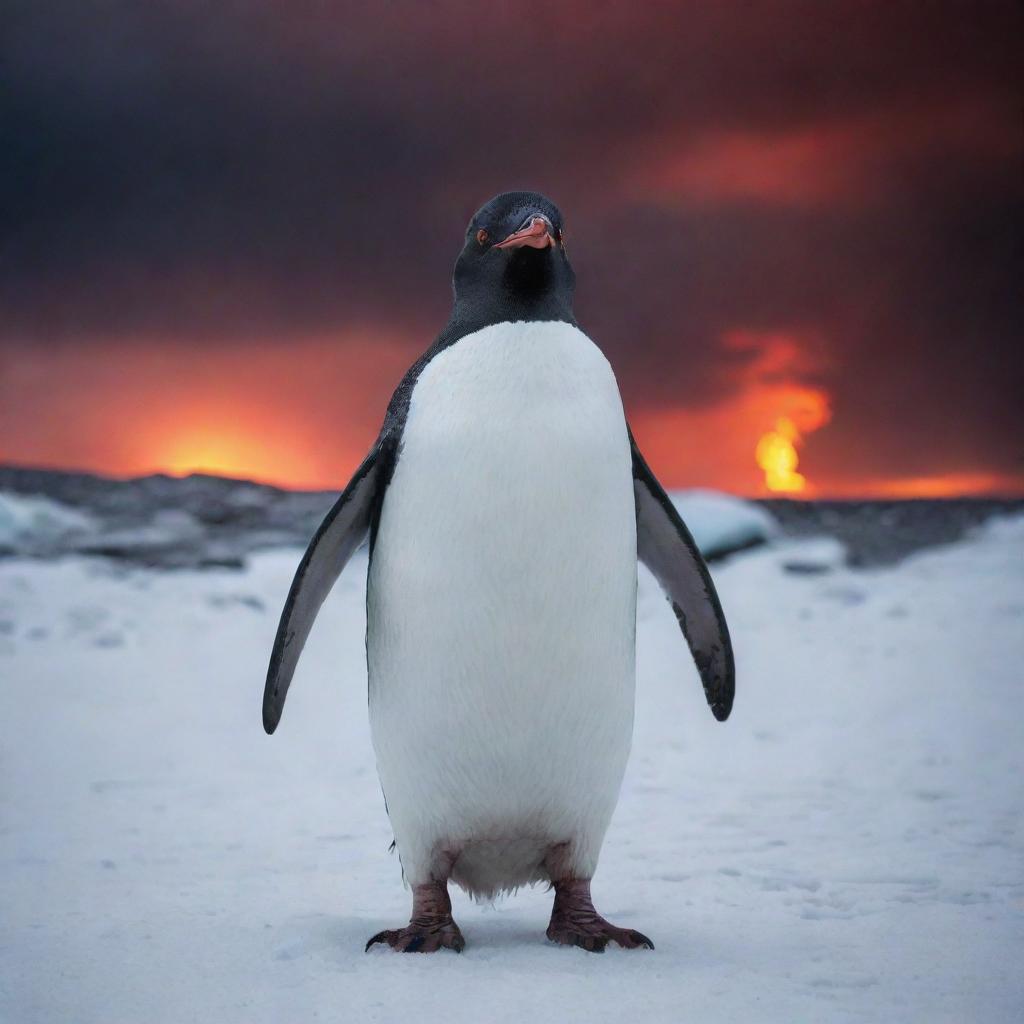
x=513 y=265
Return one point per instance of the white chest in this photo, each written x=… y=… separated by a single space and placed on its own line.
x=522 y=417
x=513 y=485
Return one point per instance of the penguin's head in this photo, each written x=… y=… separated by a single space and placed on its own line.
x=513 y=262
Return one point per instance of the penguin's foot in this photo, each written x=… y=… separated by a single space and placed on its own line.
x=575 y=922
x=431 y=927
x=415 y=938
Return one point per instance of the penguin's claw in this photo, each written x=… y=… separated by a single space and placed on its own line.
x=638 y=939
x=419 y=939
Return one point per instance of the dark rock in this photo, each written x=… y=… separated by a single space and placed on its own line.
x=203 y=521
x=877 y=533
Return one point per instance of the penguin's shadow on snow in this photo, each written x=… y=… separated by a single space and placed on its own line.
x=342 y=940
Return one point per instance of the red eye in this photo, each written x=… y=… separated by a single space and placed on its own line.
x=482 y=236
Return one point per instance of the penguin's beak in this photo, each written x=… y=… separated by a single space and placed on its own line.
x=535 y=233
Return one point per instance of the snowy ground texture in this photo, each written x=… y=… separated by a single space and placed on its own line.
x=846 y=847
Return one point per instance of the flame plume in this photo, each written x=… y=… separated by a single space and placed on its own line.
x=776 y=454
x=776 y=451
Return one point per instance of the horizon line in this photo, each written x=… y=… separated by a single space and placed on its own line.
x=813 y=494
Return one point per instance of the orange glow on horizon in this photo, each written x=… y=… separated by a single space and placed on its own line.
x=234 y=452
x=945 y=485
x=298 y=416
x=303 y=416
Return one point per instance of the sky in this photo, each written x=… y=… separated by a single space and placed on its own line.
x=227 y=229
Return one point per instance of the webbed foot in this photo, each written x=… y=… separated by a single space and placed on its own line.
x=431 y=927
x=416 y=939
x=575 y=922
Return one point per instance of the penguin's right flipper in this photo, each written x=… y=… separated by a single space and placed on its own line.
x=665 y=546
x=342 y=531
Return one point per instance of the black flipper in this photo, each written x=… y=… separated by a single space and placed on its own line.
x=342 y=531
x=665 y=546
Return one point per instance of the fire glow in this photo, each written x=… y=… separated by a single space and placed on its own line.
x=303 y=415
x=776 y=452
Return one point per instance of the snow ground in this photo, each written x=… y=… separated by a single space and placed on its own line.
x=846 y=847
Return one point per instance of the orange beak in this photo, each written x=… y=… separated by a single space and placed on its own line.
x=536 y=235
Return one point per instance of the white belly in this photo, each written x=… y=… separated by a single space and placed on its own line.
x=502 y=610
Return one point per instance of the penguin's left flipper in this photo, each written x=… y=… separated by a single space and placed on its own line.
x=665 y=546
x=338 y=536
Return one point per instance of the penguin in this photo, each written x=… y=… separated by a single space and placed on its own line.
x=506 y=505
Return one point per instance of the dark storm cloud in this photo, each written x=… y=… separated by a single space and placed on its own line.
x=181 y=170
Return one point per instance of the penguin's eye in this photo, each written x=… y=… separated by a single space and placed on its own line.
x=482 y=236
